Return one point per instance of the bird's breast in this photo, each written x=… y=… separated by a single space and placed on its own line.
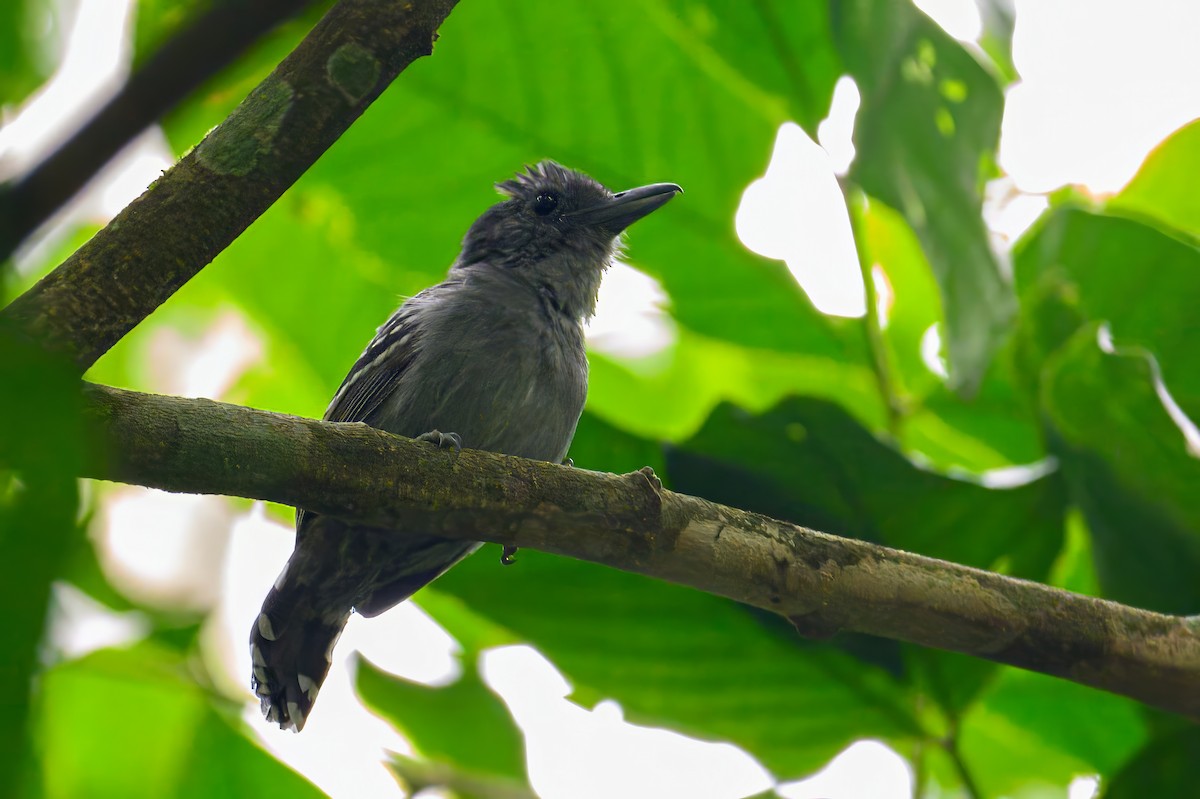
x=501 y=376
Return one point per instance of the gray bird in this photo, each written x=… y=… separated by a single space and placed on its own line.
x=494 y=355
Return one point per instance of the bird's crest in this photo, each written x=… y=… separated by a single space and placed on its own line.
x=538 y=177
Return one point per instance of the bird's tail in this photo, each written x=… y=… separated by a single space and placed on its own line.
x=291 y=648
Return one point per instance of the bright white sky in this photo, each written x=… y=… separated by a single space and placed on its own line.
x=1102 y=83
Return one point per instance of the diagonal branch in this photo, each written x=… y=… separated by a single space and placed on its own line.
x=197 y=53
x=821 y=583
x=162 y=239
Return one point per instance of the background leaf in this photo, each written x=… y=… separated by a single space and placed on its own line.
x=1131 y=470
x=163 y=736
x=464 y=723
x=673 y=656
x=1161 y=190
x=758 y=399
x=925 y=135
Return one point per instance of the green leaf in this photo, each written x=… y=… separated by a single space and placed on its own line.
x=463 y=730
x=1131 y=470
x=1053 y=728
x=382 y=214
x=133 y=723
x=627 y=125
x=809 y=462
x=672 y=656
x=601 y=446
x=1162 y=189
x=996 y=428
x=41 y=448
x=158 y=20
x=19 y=73
x=993 y=428
x=37 y=531
x=669 y=395
x=925 y=133
x=999 y=18
x=888 y=242
x=417 y=775
x=463 y=724
x=224 y=762
x=1134 y=277
x=778 y=47
x=1169 y=766
x=678 y=658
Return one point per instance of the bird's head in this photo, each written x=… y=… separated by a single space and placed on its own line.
x=558 y=230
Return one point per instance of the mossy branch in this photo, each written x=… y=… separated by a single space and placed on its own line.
x=195 y=54
x=186 y=218
x=821 y=583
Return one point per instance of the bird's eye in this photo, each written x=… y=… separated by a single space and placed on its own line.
x=544 y=203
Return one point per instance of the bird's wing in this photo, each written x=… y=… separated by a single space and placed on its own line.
x=376 y=374
x=378 y=370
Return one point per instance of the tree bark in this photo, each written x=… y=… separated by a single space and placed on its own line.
x=195 y=54
x=822 y=583
x=199 y=206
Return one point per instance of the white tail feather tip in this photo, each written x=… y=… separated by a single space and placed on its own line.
x=264 y=627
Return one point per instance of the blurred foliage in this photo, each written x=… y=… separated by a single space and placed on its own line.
x=163 y=734
x=926 y=131
x=1157 y=191
x=760 y=402
x=20 y=60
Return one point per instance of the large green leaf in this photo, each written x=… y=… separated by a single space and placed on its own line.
x=991 y=429
x=925 y=133
x=388 y=201
x=994 y=429
x=1054 y=729
x=678 y=658
x=1169 y=766
x=1163 y=190
x=1134 y=277
x=463 y=728
x=19 y=72
x=463 y=724
x=134 y=723
x=1132 y=471
x=158 y=20
x=1127 y=461
x=667 y=671
x=494 y=108
x=912 y=305
x=670 y=397
x=999 y=18
x=809 y=462
x=41 y=448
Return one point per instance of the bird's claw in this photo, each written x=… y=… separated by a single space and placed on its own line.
x=442 y=440
x=568 y=462
x=506 y=556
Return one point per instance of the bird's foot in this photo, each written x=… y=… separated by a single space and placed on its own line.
x=506 y=556
x=442 y=440
x=568 y=462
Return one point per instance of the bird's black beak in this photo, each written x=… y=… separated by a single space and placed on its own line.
x=627 y=207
